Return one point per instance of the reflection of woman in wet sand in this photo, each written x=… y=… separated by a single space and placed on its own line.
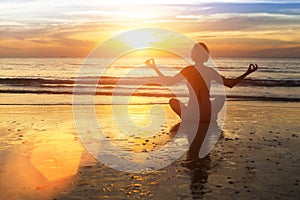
x=199 y=79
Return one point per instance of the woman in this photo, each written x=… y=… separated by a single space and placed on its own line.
x=199 y=79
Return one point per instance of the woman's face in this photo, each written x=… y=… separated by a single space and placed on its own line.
x=199 y=54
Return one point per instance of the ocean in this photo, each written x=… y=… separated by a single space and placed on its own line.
x=47 y=81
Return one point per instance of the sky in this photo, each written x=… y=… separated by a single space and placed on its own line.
x=72 y=28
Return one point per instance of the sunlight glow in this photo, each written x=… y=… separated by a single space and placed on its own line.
x=144 y=39
x=72 y=28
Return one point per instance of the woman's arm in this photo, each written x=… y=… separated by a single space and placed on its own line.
x=165 y=79
x=232 y=82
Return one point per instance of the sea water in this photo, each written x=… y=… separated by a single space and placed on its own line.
x=52 y=80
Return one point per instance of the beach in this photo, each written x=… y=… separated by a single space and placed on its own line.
x=257 y=156
x=56 y=125
x=162 y=100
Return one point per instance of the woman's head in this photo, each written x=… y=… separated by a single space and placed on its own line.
x=200 y=53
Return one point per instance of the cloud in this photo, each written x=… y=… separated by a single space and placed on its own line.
x=247 y=22
x=82 y=24
x=219 y=8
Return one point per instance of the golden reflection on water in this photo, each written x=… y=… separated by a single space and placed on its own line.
x=42 y=153
x=142 y=140
x=57 y=157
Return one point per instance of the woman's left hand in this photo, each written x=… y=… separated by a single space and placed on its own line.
x=150 y=62
x=252 y=68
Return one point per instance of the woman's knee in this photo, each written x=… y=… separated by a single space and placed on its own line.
x=173 y=101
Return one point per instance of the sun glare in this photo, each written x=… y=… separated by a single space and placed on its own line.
x=142 y=40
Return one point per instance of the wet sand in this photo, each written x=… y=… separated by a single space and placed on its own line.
x=41 y=157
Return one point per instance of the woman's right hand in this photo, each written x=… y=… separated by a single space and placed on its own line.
x=150 y=63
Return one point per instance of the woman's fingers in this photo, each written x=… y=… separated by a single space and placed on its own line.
x=150 y=61
x=252 y=67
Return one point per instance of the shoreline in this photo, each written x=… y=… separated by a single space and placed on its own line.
x=258 y=157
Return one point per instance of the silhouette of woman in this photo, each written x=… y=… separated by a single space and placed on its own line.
x=199 y=78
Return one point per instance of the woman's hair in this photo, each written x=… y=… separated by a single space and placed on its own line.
x=203 y=45
x=200 y=52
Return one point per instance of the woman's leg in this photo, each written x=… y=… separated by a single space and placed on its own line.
x=177 y=106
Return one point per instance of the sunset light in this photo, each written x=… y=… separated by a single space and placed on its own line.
x=160 y=99
x=74 y=28
x=144 y=39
